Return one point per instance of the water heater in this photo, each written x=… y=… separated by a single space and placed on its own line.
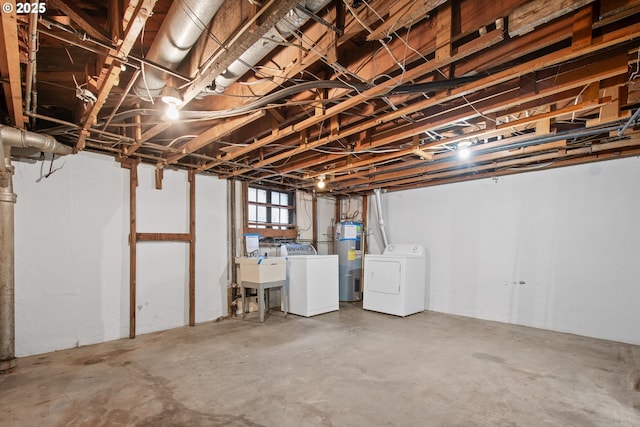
x=348 y=242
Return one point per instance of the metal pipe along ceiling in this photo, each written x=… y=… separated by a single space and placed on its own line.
x=294 y=20
x=11 y=137
x=181 y=28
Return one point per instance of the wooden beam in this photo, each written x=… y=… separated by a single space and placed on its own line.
x=135 y=16
x=559 y=56
x=444 y=19
x=535 y=13
x=582 y=23
x=570 y=157
x=87 y=23
x=147 y=136
x=10 y=65
x=133 y=185
x=215 y=133
x=485 y=41
x=462 y=114
x=192 y=248
x=403 y=14
x=163 y=237
x=159 y=177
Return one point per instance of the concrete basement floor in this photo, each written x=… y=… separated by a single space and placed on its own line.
x=347 y=368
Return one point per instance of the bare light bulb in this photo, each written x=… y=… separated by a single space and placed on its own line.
x=321 y=184
x=463 y=149
x=172 y=112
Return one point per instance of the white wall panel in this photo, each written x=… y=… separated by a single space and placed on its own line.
x=553 y=249
x=72 y=253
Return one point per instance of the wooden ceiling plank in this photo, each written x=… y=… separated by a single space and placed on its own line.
x=535 y=13
x=564 y=85
x=10 y=66
x=485 y=41
x=404 y=14
x=135 y=16
x=582 y=23
x=87 y=23
x=592 y=72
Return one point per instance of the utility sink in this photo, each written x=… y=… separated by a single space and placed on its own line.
x=262 y=270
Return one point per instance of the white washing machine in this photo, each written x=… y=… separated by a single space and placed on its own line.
x=395 y=282
x=313 y=281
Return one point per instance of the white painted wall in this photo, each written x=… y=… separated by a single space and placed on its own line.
x=553 y=249
x=326 y=225
x=72 y=255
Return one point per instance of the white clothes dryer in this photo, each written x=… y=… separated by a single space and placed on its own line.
x=395 y=281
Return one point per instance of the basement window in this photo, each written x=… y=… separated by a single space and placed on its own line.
x=270 y=212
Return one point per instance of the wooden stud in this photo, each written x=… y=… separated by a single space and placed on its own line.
x=133 y=184
x=192 y=248
x=159 y=176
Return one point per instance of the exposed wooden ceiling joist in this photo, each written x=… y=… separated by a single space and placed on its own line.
x=10 y=65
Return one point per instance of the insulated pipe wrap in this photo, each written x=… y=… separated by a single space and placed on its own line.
x=294 y=20
x=185 y=22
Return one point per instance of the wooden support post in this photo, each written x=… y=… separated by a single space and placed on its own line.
x=133 y=184
x=363 y=240
x=192 y=248
x=314 y=220
x=159 y=176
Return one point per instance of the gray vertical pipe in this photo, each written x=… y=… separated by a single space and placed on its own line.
x=7 y=278
x=17 y=138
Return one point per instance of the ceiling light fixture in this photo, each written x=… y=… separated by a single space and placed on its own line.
x=171 y=97
x=321 y=184
x=463 y=149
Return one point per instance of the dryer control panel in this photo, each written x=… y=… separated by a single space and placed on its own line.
x=404 y=249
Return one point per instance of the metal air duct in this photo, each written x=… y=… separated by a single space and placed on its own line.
x=383 y=231
x=283 y=29
x=181 y=28
x=11 y=137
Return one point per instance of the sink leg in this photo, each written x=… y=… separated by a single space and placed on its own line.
x=261 y=302
x=244 y=300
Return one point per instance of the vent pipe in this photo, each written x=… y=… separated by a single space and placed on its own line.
x=11 y=137
x=283 y=29
x=385 y=242
x=180 y=30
